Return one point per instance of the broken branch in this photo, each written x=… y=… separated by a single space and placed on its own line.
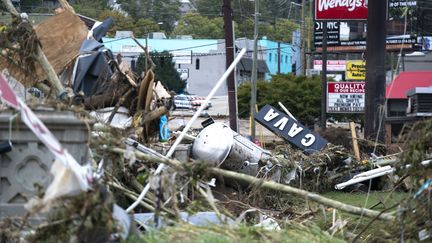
x=270 y=185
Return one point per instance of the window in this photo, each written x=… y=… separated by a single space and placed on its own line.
x=282 y=58
x=286 y=59
x=270 y=56
x=197 y=64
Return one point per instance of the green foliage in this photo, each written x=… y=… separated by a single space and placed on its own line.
x=209 y=8
x=165 y=70
x=282 y=30
x=165 y=12
x=122 y=22
x=29 y=6
x=301 y=95
x=90 y=8
x=136 y=9
x=200 y=27
x=292 y=232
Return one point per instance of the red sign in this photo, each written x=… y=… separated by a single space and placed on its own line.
x=345 y=97
x=7 y=94
x=341 y=9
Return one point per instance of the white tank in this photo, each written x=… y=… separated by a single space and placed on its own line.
x=221 y=146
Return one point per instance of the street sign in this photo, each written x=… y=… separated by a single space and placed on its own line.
x=341 y=9
x=332 y=65
x=183 y=72
x=396 y=8
x=133 y=49
x=355 y=70
x=182 y=57
x=289 y=129
x=333 y=37
x=345 y=97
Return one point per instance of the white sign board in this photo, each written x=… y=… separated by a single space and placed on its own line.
x=182 y=57
x=133 y=48
x=332 y=65
x=183 y=72
x=345 y=97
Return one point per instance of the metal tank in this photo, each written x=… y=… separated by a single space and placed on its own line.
x=221 y=146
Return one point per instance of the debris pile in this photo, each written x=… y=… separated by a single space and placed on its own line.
x=138 y=179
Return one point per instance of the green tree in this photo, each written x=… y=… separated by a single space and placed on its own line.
x=200 y=27
x=121 y=22
x=209 y=8
x=137 y=9
x=165 y=12
x=90 y=8
x=301 y=95
x=165 y=70
x=282 y=30
x=144 y=26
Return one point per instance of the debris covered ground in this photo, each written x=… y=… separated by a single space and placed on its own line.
x=283 y=194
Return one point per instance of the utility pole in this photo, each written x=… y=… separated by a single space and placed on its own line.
x=324 y=78
x=229 y=50
x=254 y=73
x=375 y=69
x=303 y=37
x=279 y=59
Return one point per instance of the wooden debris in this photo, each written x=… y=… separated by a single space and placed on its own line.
x=270 y=185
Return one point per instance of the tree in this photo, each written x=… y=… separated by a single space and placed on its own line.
x=144 y=26
x=165 y=12
x=282 y=30
x=209 y=8
x=121 y=22
x=165 y=70
x=301 y=95
x=200 y=27
x=137 y=9
x=90 y=8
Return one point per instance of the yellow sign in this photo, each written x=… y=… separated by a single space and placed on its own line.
x=355 y=70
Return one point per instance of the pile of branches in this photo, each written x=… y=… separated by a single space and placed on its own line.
x=319 y=171
x=19 y=43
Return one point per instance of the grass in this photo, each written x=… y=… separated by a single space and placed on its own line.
x=355 y=224
x=250 y=234
x=314 y=228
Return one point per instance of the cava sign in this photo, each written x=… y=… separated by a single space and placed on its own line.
x=289 y=129
x=341 y=9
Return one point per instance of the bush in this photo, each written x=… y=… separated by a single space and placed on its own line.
x=300 y=94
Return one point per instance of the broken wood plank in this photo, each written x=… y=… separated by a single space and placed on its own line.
x=354 y=141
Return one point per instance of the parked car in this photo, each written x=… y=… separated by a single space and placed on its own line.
x=188 y=102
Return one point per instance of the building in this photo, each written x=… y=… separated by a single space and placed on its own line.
x=202 y=61
x=397 y=100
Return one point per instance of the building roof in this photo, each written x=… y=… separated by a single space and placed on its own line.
x=407 y=81
x=246 y=65
x=196 y=45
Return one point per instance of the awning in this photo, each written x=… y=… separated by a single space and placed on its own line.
x=246 y=65
x=407 y=81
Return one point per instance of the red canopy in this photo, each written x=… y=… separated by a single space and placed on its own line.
x=407 y=81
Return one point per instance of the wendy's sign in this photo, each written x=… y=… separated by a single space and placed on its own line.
x=341 y=9
x=289 y=129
